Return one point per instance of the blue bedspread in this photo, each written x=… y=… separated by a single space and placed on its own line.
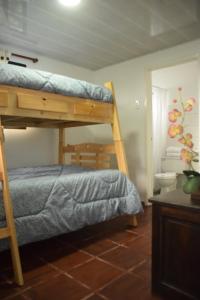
x=52 y=200
x=53 y=83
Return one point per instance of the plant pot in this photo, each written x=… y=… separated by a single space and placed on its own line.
x=192 y=184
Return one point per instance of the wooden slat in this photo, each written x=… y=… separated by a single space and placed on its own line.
x=15 y=127
x=92 y=157
x=90 y=148
x=93 y=165
x=77 y=124
x=22 y=122
x=3 y=98
x=4 y=233
x=77 y=158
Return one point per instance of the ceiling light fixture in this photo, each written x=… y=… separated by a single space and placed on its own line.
x=70 y=3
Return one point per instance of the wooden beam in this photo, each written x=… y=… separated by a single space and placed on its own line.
x=117 y=137
x=119 y=146
x=9 y=214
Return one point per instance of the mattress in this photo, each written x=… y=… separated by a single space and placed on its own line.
x=53 y=83
x=53 y=200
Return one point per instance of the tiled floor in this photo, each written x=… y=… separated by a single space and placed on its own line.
x=106 y=261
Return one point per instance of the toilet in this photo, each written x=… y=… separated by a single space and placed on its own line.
x=167 y=181
x=171 y=167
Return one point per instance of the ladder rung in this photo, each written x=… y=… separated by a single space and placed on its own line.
x=4 y=233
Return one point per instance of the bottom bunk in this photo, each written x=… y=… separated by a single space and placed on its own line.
x=53 y=200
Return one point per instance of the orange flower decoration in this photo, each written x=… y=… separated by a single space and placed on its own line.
x=175 y=130
x=187 y=140
x=188 y=105
x=173 y=115
x=186 y=155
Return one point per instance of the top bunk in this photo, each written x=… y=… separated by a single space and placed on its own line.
x=33 y=98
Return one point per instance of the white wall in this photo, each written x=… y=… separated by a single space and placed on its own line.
x=130 y=84
x=38 y=146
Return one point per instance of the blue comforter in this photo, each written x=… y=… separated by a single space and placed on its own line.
x=53 y=83
x=52 y=200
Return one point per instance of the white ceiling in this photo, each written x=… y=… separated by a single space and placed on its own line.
x=98 y=33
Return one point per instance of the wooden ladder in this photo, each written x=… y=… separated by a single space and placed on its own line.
x=9 y=231
x=119 y=145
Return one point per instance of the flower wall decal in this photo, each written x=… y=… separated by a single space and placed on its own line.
x=176 y=128
x=173 y=115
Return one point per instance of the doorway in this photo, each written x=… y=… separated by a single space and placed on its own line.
x=171 y=88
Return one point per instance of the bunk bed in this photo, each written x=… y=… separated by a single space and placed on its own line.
x=32 y=98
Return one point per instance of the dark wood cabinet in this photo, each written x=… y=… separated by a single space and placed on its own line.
x=176 y=246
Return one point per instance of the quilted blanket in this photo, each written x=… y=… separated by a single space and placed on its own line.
x=52 y=200
x=53 y=83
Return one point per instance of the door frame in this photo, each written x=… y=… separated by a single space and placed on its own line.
x=148 y=109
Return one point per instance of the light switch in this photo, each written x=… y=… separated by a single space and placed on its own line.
x=137 y=104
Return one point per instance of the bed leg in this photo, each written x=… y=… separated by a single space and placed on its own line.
x=133 y=221
x=18 y=276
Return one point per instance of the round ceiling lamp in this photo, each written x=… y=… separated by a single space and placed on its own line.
x=70 y=3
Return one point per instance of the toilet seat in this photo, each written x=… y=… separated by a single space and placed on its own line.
x=167 y=175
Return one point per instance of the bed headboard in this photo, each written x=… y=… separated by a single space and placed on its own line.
x=97 y=156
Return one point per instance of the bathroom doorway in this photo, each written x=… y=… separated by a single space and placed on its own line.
x=174 y=124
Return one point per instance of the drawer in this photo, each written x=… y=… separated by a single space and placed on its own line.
x=3 y=98
x=47 y=103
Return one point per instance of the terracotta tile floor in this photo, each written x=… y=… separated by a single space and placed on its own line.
x=106 y=261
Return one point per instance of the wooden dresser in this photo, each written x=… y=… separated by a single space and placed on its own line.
x=176 y=246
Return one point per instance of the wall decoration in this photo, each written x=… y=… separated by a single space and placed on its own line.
x=177 y=128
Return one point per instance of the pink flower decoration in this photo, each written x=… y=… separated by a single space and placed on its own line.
x=186 y=155
x=188 y=105
x=188 y=135
x=173 y=115
x=187 y=140
x=175 y=130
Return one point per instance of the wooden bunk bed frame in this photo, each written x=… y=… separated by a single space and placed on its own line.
x=21 y=108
